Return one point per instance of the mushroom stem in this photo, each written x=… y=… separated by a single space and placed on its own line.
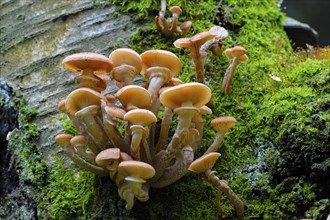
x=145 y=145
x=216 y=143
x=89 y=117
x=218 y=204
x=174 y=24
x=180 y=168
x=163 y=5
x=199 y=126
x=229 y=76
x=184 y=119
x=71 y=153
x=165 y=128
x=112 y=131
x=125 y=192
x=197 y=57
x=137 y=134
x=221 y=185
x=116 y=138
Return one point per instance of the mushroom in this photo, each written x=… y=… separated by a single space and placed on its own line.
x=204 y=163
x=185 y=100
x=133 y=97
x=108 y=158
x=127 y=64
x=170 y=25
x=167 y=116
x=84 y=104
x=159 y=66
x=194 y=43
x=64 y=141
x=236 y=55
x=139 y=120
x=221 y=125
x=88 y=65
x=215 y=44
x=136 y=173
x=176 y=11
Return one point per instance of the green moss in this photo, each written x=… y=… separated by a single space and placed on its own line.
x=69 y=192
x=67 y=125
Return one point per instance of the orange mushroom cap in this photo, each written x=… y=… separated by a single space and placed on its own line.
x=136 y=171
x=140 y=117
x=87 y=60
x=133 y=95
x=197 y=94
x=223 y=124
x=204 y=163
x=81 y=98
x=161 y=58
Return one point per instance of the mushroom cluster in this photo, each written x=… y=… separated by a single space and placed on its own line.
x=169 y=26
x=122 y=134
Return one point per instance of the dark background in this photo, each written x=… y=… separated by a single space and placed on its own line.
x=315 y=13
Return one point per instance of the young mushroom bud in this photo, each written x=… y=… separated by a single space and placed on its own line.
x=221 y=125
x=89 y=65
x=236 y=55
x=127 y=64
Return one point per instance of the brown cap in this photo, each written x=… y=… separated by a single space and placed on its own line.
x=125 y=61
x=175 y=9
x=204 y=163
x=126 y=56
x=81 y=98
x=223 y=124
x=191 y=94
x=161 y=58
x=61 y=105
x=78 y=140
x=63 y=140
x=114 y=111
x=109 y=158
x=87 y=60
x=195 y=41
x=136 y=171
x=140 y=117
x=237 y=51
x=133 y=95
